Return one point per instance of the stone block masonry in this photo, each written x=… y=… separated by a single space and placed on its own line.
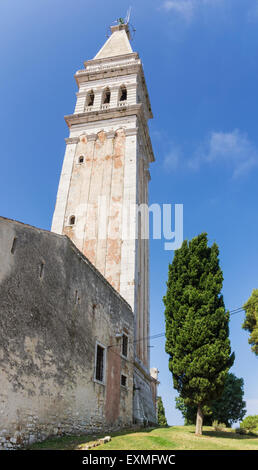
x=55 y=309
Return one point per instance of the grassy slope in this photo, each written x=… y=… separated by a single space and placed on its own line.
x=175 y=437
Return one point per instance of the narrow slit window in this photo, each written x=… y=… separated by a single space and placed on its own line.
x=124 y=345
x=41 y=270
x=100 y=359
x=123 y=380
x=72 y=220
x=14 y=245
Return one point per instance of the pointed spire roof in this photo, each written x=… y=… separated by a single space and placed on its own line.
x=117 y=44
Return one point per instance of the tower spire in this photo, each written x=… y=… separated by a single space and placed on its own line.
x=118 y=43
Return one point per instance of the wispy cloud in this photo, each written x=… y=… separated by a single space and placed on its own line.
x=232 y=150
x=187 y=8
x=172 y=158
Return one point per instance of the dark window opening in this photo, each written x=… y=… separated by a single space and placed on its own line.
x=99 y=373
x=123 y=380
x=106 y=96
x=77 y=298
x=124 y=345
x=72 y=220
x=41 y=270
x=90 y=98
x=123 y=94
x=13 y=245
x=81 y=159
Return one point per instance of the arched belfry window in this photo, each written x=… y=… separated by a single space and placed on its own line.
x=123 y=93
x=81 y=159
x=90 y=98
x=106 y=96
x=72 y=220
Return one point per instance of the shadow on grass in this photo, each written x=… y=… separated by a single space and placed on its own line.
x=228 y=435
x=72 y=442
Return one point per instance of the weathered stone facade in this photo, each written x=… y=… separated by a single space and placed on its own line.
x=54 y=308
x=106 y=163
x=69 y=299
x=107 y=158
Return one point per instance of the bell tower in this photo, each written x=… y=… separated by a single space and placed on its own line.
x=105 y=175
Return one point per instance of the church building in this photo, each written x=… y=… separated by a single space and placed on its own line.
x=74 y=302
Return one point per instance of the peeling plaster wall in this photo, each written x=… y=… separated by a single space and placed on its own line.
x=54 y=305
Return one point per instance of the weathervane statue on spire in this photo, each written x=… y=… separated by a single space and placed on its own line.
x=126 y=19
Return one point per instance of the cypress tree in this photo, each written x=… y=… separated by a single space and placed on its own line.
x=251 y=320
x=162 y=421
x=197 y=325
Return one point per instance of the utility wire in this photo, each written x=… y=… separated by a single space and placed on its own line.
x=160 y=335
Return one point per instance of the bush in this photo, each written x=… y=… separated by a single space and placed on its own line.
x=244 y=432
x=250 y=423
x=218 y=426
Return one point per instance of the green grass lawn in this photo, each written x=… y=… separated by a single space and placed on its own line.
x=171 y=438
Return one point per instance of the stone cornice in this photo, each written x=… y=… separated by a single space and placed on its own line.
x=107 y=60
x=103 y=114
x=115 y=71
x=101 y=88
x=112 y=113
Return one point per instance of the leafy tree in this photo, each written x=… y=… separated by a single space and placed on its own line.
x=251 y=320
x=161 y=413
x=197 y=325
x=250 y=423
x=228 y=409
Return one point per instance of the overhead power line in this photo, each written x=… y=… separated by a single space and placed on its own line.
x=160 y=335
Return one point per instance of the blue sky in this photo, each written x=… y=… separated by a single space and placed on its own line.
x=201 y=68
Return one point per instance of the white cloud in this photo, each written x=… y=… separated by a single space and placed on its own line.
x=187 y=8
x=232 y=149
x=172 y=158
x=184 y=7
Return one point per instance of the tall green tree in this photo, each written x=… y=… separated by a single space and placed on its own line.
x=228 y=409
x=251 y=320
x=189 y=412
x=197 y=325
x=162 y=421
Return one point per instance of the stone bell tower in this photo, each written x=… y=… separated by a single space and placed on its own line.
x=105 y=175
